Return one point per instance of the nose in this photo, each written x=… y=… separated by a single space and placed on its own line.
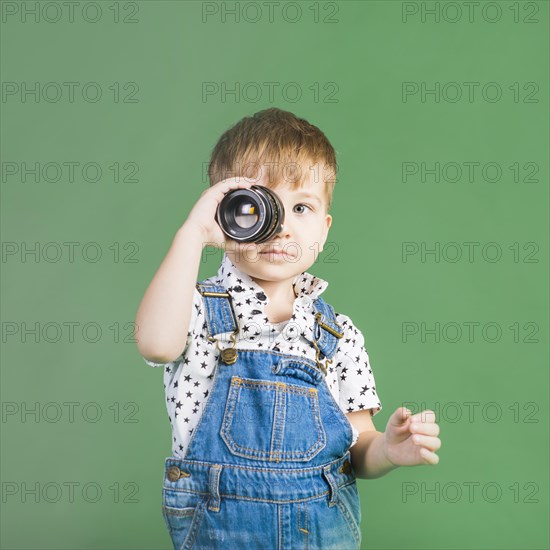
x=285 y=230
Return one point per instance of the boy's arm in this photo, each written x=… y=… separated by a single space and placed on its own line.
x=163 y=317
x=357 y=390
x=367 y=455
x=162 y=320
x=409 y=440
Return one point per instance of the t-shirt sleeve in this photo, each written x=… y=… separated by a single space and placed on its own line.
x=357 y=389
x=195 y=328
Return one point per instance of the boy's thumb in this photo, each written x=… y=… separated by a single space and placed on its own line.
x=399 y=417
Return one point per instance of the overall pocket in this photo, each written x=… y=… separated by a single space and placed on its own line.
x=182 y=513
x=273 y=421
x=350 y=506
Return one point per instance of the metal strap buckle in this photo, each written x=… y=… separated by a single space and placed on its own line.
x=318 y=317
x=338 y=335
x=320 y=365
x=228 y=355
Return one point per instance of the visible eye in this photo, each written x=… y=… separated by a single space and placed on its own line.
x=306 y=205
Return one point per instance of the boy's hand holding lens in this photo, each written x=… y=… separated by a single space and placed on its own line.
x=202 y=215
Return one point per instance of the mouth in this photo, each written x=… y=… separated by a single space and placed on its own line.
x=275 y=253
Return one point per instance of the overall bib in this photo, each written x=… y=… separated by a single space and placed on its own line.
x=268 y=465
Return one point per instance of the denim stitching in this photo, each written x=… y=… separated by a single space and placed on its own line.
x=333 y=487
x=222 y=307
x=348 y=508
x=285 y=364
x=280 y=538
x=179 y=512
x=229 y=321
x=349 y=520
x=214 y=488
x=307 y=530
x=337 y=409
x=167 y=521
x=283 y=390
x=195 y=525
x=278 y=423
x=216 y=310
x=208 y=313
x=228 y=412
x=302 y=516
x=240 y=450
x=332 y=465
x=195 y=431
x=306 y=360
x=316 y=496
x=210 y=317
x=328 y=343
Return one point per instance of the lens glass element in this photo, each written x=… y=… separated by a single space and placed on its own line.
x=246 y=215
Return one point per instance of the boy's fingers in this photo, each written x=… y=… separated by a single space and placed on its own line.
x=428 y=456
x=427 y=441
x=400 y=416
x=427 y=428
x=424 y=416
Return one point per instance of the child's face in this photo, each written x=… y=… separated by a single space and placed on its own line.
x=303 y=236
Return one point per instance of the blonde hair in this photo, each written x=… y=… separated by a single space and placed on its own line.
x=283 y=143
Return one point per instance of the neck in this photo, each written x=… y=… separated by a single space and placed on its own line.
x=278 y=292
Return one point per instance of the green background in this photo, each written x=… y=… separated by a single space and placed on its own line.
x=367 y=51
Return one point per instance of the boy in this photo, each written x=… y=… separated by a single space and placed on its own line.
x=268 y=438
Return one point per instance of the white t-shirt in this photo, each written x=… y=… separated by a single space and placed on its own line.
x=188 y=379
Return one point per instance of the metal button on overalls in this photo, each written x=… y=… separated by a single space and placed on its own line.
x=173 y=473
x=346 y=467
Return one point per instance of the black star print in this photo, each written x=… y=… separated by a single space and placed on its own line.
x=200 y=361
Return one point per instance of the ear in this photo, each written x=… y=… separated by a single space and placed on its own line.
x=328 y=223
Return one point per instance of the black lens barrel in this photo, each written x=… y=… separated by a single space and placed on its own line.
x=258 y=201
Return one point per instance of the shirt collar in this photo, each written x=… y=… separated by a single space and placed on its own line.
x=240 y=285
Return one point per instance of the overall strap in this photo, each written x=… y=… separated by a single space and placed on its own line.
x=326 y=331
x=219 y=314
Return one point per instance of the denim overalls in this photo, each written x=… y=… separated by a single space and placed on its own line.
x=268 y=465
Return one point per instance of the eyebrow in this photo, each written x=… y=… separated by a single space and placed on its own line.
x=309 y=195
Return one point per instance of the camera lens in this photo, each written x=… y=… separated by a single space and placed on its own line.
x=246 y=215
x=249 y=215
